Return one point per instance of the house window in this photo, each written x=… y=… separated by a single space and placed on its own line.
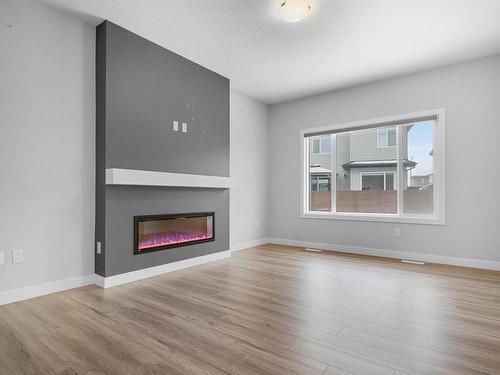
x=320 y=183
x=400 y=178
x=377 y=181
x=321 y=145
x=386 y=138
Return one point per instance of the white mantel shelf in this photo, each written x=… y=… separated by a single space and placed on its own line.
x=117 y=176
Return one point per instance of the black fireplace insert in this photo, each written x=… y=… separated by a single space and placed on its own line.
x=159 y=232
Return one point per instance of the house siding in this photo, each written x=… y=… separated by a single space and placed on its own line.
x=364 y=147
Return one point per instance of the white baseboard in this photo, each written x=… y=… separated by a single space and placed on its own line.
x=246 y=245
x=79 y=281
x=45 y=288
x=108 y=282
x=395 y=254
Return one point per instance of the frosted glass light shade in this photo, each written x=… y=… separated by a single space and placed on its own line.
x=294 y=10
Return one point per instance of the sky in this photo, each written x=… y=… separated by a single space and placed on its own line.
x=419 y=146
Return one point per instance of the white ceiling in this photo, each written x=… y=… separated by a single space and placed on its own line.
x=342 y=43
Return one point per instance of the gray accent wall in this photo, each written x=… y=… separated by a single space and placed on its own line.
x=123 y=202
x=147 y=87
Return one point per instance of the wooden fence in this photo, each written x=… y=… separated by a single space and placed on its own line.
x=380 y=201
x=373 y=201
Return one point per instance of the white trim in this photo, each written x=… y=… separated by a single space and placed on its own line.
x=123 y=278
x=401 y=173
x=304 y=171
x=117 y=176
x=439 y=215
x=384 y=218
x=16 y=295
x=333 y=175
x=38 y=290
x=379 y=120
x=439 y=166
x=394 y=254
x=246 y=245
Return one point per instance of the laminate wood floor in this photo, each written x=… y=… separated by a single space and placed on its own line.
x=266 y=310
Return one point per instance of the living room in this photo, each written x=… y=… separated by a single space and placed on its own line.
x=249 y=187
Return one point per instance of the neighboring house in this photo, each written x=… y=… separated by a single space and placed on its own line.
x=365 y=160
x=422 y=181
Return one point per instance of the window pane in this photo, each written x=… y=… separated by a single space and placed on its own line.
x=373 y=182
x=326 y=144
x=391 y=137
x=365 y=173
x=382 y=138
x=418 y=166
x=389 y=181
x=324 y=184
x=319 y=176
x=315 y=145
x=314 y=184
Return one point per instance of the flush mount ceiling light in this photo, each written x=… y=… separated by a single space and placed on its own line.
x=294 y=10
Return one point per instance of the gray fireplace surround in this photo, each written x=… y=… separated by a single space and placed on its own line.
x=141 y=89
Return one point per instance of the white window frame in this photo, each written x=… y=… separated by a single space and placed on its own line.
x=439 y=210
x=386 y=135
x=376 y=173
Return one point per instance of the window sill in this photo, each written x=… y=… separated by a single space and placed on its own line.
x=384 y=218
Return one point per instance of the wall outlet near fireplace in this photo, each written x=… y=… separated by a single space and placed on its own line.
x=17 y=256
x=98 y=247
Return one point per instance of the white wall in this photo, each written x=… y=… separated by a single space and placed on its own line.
x=470 y=92
x=46 y=144
x=249 y=164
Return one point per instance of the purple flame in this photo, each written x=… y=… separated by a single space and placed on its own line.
x=169 y=238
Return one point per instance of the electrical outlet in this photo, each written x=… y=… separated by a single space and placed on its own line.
x=175 y=126
x=184 y=127
x=17 y=256
x=98 y=247
x=397 y=232
x=2 y=258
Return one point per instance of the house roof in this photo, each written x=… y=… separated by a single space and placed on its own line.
x=317 y=169
x=377 y=163
x=423 y=174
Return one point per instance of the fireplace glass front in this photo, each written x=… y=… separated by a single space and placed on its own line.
x=158 y=232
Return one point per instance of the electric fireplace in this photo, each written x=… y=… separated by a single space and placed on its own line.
x=158 y=232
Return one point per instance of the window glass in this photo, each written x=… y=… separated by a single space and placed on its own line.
x=376 y=170
x=315 y=145
x=320 y=171
x=418 y=192
x=391 y=137
x=389 y=181
x=382 y=138
x=365 y=173
x=373 y=182
x=326 y=145
x=386 y=137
